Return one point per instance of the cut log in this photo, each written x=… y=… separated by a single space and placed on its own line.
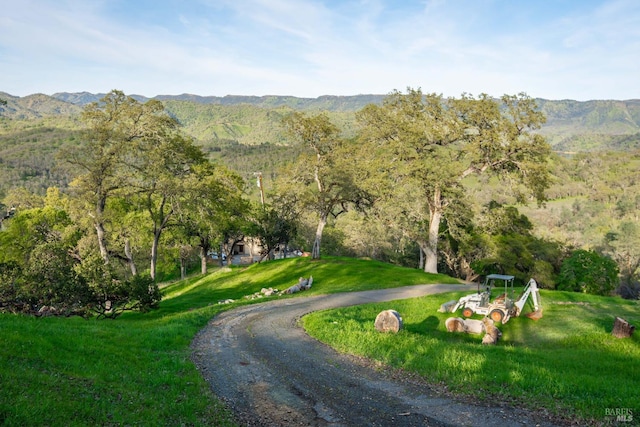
x=447 y=307
x=473 y=326
x=388 y=321
x=622 y=328
x=292 y=289
x=302 y=285
x=454 y=324
x=493 y=334
x=490 y=339
x=468 y=326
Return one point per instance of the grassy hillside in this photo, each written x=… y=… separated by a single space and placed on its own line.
x=136 y=370
x=213 y=124
x=566 y=363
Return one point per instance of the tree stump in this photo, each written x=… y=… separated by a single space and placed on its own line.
x=622 y=328
x=388 y=321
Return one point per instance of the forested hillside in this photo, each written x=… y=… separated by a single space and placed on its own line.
x=571 y=125
x=34 y=127
x=322 y=103
x=591 y=188
x=592 y=125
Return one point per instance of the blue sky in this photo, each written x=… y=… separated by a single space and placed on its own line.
x=554 y=49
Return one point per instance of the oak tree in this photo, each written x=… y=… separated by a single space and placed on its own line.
x=431 y=144
x=212 y=201
x=325 y=174
x=114 y=126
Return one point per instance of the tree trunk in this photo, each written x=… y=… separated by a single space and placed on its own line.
x=315 y=252
x=467 y=272
x=154 y=253
x=100 y=233
x=431 y=249
x=99 y=226
x=203 y=260
x=129 y=255
x=183 y=268
x=205 y=245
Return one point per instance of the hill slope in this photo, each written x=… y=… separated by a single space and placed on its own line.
x=33 y=127
x=571 y=125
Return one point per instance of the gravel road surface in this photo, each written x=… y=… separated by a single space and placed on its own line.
x=259 y=361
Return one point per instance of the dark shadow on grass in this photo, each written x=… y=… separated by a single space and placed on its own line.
x=427 y=326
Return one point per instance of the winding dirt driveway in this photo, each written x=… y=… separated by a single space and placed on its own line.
x=259 y=361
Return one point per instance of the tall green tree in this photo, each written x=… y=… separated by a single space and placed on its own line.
x=432 y=144
x=162 y=167
x=213 y=199
x=325 y=175
x=114 y=127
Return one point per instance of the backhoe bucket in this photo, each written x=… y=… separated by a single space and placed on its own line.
x=535 y=315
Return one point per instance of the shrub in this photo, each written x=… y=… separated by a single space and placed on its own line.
x=144 y=292
x=50 y=281
x=111 y=295
x=588 y=272
x=44 y=270
x=10 y=275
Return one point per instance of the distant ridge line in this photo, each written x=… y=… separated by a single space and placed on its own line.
x=333 y=102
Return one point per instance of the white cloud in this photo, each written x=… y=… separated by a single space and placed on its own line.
x=311 y=48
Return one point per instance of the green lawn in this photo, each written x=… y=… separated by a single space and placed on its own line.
x=567 y=362
x=136 y=370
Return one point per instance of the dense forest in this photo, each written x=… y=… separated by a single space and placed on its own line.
x=562 y=186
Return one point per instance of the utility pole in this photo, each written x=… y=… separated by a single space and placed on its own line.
x=260 y=186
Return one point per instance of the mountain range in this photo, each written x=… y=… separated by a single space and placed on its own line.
x=250 y=120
